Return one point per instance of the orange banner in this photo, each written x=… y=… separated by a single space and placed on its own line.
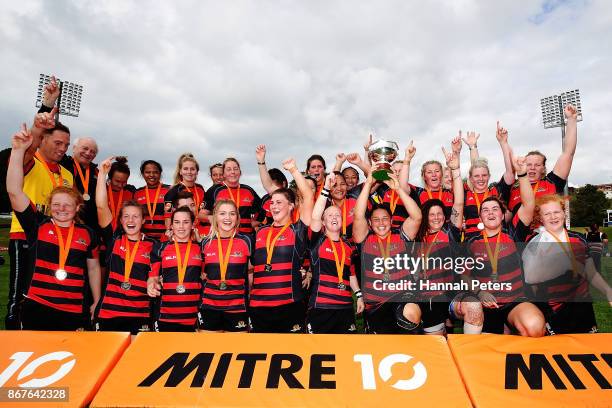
x=231 y=369
x=56 y=368
x=513 y=371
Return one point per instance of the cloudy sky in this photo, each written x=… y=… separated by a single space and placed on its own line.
x=303 y=77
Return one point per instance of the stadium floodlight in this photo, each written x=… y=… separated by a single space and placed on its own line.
x=552 y=116
x=69 y=100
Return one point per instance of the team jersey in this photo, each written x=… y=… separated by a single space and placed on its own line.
x=132 y=301
x=265 y=216
x=422 y=195
x=175 y=307
x=471 y=208
x=198 y=197
x=551 y=184
x=233 y=297
x=509 y=264
x=37 y=185
x=374 y=247
x=327 y=291
x=283 y=284
x=246 y=199
x=154 y=225
x=116 y=200
x=437 y=246
x=89 y=213
x=45 y=287
x=390 y=199
x=347 y=211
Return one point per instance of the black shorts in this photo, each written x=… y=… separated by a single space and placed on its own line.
x=494 y=319
x=331 y=321
x=382 y=319
x=160 y=326
x=574 y=317
x=434 y=313
x=36 y=316
x=278 y=319
x=133 y=325
x=218 y=320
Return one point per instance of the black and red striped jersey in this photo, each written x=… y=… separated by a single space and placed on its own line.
x=422 y=195
x=385 y=196
x=347 y=211
x=435 y=249
x=509 y=263
x=176 y=306
x=116 y=200
x=197 y=191
x=283 y=284
x=131 y=302
x=471 y=208
x=45 y=288
x=551 y=184
x=327 y=291
x=246 y=199
x=88 y=213
x=233 y=297
x=372 y=250
x=154 y=225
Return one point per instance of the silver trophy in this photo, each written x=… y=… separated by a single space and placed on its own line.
x=382 y=153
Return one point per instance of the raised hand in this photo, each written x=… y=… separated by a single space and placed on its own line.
x=354 y=158
x=471 y=139
x=501 y=134
x=22 y=139
x=393 y=182
x=289 y=164
x=340 y=158
x=330 y=180
x=519 y=163
x=456 y=144
x=104 y=166
x=50 y=93
x=410 y=151
x=368 y=143
x=570 y=112
x=260 y=153
x=452 y=160
x=45 y=120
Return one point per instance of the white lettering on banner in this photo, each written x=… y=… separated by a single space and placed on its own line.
x=385 y=368
x=19 y=358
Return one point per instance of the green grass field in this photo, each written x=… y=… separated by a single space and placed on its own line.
x=602 y=309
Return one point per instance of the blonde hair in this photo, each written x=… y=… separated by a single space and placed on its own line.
x=479 y=163
x=427 y=163
x=214 y=228
x=185 y=157
x=227 y=160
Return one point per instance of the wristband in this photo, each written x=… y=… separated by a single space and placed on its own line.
x=358 y=294
x=521 y=175
x=261 y=163
x=325 y=192
x=473 y=147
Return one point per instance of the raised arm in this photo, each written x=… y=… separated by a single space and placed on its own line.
x=525 y=211
x=360 y=223
x=453 y=162
x=305 y=191
x=355 y=158
x=340 y=159
x=264 y=176
x=20 y=142
x=366 y=148
x=410 y=226
x=502 y=137
x=104 y=213
x=564 y=162
x=471 y=140
x=404 y=175
x=316 y=223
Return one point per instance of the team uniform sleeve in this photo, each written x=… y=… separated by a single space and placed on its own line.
x=93 y=251
x=30 y=219
x=209 y=198
x=256 y=209
x=503 y=190
x=557 y=181
x=168 y=199
x=155 y=255
x=519 y=231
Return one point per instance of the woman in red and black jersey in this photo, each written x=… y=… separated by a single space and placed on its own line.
x=330 y=307
x=246 y=199
x=64 y=262
x=185 y=177
x=125 y=305
x=501 y=282
x=216 y=173
x=315 y=167
x=558 y=260
x=438 y=236
x=177 y=277
x=151 y=197
x=118 y=190
x=377 y=241
x=276 y=301
x=226 y=253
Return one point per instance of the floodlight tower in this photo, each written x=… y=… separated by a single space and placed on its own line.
x=552 y=116
x=69 y=100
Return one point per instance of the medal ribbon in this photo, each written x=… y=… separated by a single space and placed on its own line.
x=339 y=262
x=196 y=195
x=318 y=192
x=181 y=265
x=114 y=207
x=384 y=252
x=236 y=200
x=151 y=207
x=64 y=247
x=42 y=161
x=567 y=248
x=224 y=258
x=428 y=249
x=394 y=199
x=270 y=243
x=344 y=221
x=486 y=194
x=85 y=178
x=535 y=187
x=130 y=255
x=493 y=257
x=430 y=195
